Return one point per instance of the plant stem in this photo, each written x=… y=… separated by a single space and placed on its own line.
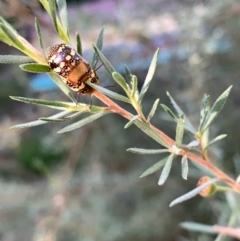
x=114 y=108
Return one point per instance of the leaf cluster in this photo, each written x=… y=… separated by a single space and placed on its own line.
x=35 y=61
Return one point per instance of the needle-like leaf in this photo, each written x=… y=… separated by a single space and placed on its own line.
x=166 y=170
x=83 y=122
x=62 y=7
x=153 y=110
x=79 y=44
x=134 y=91
x=204 y=108
x=53 y=13
x=39 y=35
x=188 y=124
x=149 y=76
x=15 y=59
x=109 y=93
x=120 y=81
x=53 y=104
x=192 y=193
x=147 y=129
x=215 y=110
x=155 y=167
x=104 y=60
x=147 y=151
x=216 y=139
x=35 y=68
x=131 y=121
x=40 y=122
x=184 y=167
x=198 y=227
x=179 y=131
x=128 y=74
x=99 y=44
x=59 y=82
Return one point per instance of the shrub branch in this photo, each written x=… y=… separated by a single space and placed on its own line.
x=115 y=108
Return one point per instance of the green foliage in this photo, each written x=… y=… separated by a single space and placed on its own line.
x=153 y=110
x=193 y=192
x=83 y=122
x=104 y=60
x=39 y=35
x=16 y=59
x=99 y=45
x=79 y=44
x=34 y=157
x=35 y=62
x=210 y=115
x=109 y=93
x=149 y=76
x=179 y=131
x=35 y=68
x=166 y=170
x=155 y=167
x=184 y=167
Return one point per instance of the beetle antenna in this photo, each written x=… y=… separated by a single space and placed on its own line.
x=98 y=67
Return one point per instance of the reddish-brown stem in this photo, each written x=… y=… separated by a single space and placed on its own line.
x=113 y=107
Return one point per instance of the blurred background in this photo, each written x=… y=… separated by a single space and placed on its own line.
x=83 y=185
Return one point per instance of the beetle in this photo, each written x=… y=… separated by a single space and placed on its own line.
x=75 y=70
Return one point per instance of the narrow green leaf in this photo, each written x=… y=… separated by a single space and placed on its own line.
x=180 y=113
x=184 y=163
x=120 y=81
x=58 y=26
x=59 y=82
x=166 y=170
x=134 y=83
x=204 y=108
x=99 y=44
x=149 y=76
x=83 y=122
x=57 y=120
x=131 y=121
x=153 y=110
x=95 y=109
x=192 y=193
x=215 y=110
x=50 y=120
x=128 y=74
x=147 y=151
x=15 y=59
x=11 y=36
x=35 y=68
x=40 y=122
x=198 y=227
x=216 y=139
x=39 y=35
x=109 y=93
x=174 y=117
x=169 y=112
x=79 y=44
x=9 y=26
x=179 y=131
x=146 y=129
x=53 y=13
x=103 y=59
x=62 y=8
x=155 y=167
x=3 y=36
x=53 y=104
